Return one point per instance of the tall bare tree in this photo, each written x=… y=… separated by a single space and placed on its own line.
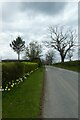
x=18 y=46
x=62 y=39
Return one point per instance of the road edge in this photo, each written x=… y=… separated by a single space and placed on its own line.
x=42 y=94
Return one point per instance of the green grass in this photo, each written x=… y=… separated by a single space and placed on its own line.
x=23 y=101
x=73 y=65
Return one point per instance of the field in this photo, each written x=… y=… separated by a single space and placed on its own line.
x=72 y=65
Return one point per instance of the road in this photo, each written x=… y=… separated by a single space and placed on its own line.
x=61 y=93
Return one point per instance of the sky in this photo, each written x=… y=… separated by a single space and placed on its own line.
x=31 y=21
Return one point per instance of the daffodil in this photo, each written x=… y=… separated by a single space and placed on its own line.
x=8 y=89
x=25 y=77
x=0 y=86
x=28 y=74
x=20 y=78
x=9 y=82
x=11 y=85
x=17 y=80
x=2 y=89
x=5 y=89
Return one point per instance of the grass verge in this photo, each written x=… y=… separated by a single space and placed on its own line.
x=23 y=101
x=73 y=65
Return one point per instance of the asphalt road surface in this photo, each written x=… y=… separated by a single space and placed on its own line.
x=61 y=93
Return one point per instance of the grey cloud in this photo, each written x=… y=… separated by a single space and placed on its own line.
x=10 y=9
x=49 y=8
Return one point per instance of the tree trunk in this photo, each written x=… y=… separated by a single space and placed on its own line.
x=70 y=58
x=18 y=56
x=62 y=58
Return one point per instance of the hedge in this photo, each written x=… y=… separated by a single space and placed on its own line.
x=13 y=70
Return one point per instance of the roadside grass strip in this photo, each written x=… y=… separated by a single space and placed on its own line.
x=23 y=101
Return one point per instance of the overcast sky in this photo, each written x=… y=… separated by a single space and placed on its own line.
x=31 y=20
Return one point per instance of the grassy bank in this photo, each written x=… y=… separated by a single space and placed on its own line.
x=23 y=101
x=73 y=65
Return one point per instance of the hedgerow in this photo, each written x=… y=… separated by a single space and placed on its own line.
x=14 y=72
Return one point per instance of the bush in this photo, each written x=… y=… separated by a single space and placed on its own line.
x=37 y=60
x=13 y=70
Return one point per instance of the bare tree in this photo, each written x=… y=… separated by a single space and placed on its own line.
x=62 y=39
x=70 y=54
x=50 y=57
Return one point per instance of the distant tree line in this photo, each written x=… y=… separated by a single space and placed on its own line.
x=61 y=39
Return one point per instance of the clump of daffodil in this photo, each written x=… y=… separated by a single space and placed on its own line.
x=5 y=89
x=17 y=80
x=9 y=82
x=12 y=86
x=24 y=77
x=15 y=83
x=2 y=89
x=28 y=74
x=20 y=79
x=9 y=89
x=0 y=86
